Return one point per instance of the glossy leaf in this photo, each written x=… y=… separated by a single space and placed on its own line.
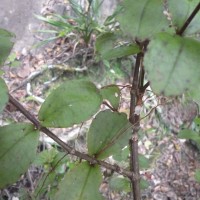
x=5 y=44
x=71 y=103
x=3 y=94
x=142 y=19
x=112 y=94
x=181 y=13
x=18 y=145
x=172 y=64
x=81 y=183
x=108 y=134
x=106 y=45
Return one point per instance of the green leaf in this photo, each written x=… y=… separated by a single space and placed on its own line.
x=60 y=162
x=52 y=159
x=142 y=19
x=122 y=155
x=108 y=134
x=18 y=145
x=45 y=157
x=46 y=41
x=1 y=72
x=144 y=184
x=57 y=23
x=112 y=94
x=11 y=58
x=71 y=103
x=106 y=45
x=5 y=44
x=16 y=63
x=119 y=184
x=46 y=186
x=181 y=13
x=189 y=134
x=197 y=175
x=197 y=121
x=143 y=162
x=81 y=183
x=194 y=94
x=3 y=94
x=121 y=51
x=172 y=64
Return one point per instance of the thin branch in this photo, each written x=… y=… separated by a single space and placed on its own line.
x=188 y=21
x=145 y=87
x=109 y=106
x=26 y=113
x=65 y=146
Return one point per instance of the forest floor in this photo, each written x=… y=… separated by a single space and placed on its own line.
x=37 y=71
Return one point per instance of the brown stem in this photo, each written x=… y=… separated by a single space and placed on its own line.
x=134 y=165
x=65 y=146
x=188 y=21
x=26 y=113
x=135 y=119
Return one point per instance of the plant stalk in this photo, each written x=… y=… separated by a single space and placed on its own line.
x=135 y=104
x=188 y=21
x=65 y=146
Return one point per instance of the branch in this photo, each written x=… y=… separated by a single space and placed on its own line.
x=190 y=18
x=135 y=85
x=136 y=100
x=65 y=146
x=144 y=87
x=109 y=106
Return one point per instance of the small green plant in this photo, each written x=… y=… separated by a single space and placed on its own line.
x=169 y=57
x=84 y=22
x=12 y=60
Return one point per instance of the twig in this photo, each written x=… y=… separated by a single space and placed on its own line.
x=188 y=21
x=35 y=74
x=146 y=85
x=109 y=106
x=26 y=113
x=29 y=79
x=36 y=98
x=30 y=180
x=65 y=146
